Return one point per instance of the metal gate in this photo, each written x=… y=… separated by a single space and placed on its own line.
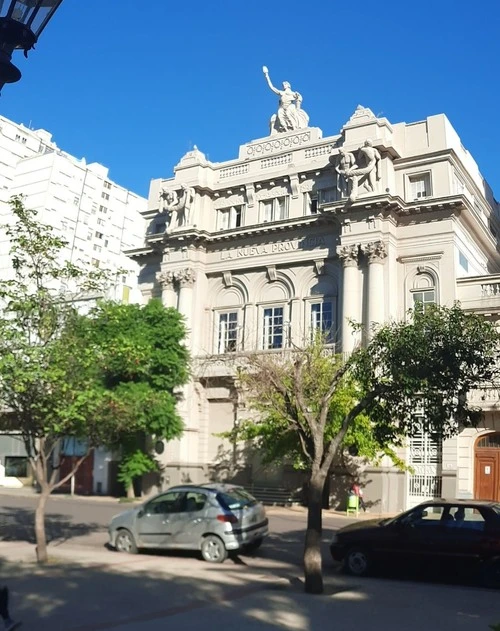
x=426 y=457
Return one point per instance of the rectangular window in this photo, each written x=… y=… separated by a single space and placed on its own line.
x=104 y=195
x=425 y=298
x=228 y=218
x=310 y=204
x=89 y=235
x=103 y=209
x=76 y=200
x=420 y=186
x=95 y=262
x=464 y=263
x=16 y=466
x=322 y=320
x=99 y=235
x=107 y=185
x=327 y=195
x=97 y=248
x=101 y=222
x=227 y=338
x=273 y=328
x=274 y=209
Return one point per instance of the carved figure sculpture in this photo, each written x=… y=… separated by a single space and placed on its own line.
x=346 y=162
x=368 y=174
x=290 y=114
x=171 y=202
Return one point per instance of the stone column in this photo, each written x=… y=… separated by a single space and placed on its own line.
x=375 y=252
x=348 y=254
x=297 y=329
x=186 y=278
x=168 y=293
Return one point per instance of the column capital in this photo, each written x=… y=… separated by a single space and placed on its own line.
x=166 y=279
x=186 y=277
x=348 y=254
x=376 y=251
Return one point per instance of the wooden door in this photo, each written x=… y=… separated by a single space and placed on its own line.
x=487 y=474
x=84 y=479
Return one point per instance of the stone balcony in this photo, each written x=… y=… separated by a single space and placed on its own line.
x=487 y=398
x=480 y=293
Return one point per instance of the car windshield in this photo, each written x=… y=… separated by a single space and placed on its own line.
x=234 y=499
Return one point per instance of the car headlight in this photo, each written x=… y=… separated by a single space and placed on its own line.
x=335 y=539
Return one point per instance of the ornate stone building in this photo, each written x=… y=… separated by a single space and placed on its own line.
x=301 y=232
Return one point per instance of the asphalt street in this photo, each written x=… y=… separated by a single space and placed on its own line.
x=84 y=522
x=88 y=588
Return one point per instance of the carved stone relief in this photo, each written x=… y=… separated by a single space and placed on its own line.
x=237 y=199
x=348 y=254
x=358 y=173
x=276 y=191
x=166 y=279
x=375 y=251
x=186 y=277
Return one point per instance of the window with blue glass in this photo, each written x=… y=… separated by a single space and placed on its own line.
x=322 y=319
x=273 y=328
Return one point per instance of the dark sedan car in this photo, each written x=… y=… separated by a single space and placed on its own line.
x=454 y=535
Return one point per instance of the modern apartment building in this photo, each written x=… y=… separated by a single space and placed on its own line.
x=98 y=218
x=303 y=231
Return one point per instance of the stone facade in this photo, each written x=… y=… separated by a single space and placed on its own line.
x=303 y=231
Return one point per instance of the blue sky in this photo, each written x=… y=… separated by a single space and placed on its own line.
x=134 y=85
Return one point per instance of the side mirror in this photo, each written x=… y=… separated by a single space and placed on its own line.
x=140 y=513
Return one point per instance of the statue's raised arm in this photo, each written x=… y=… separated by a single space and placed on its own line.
x=290 y=115
x=265 y=70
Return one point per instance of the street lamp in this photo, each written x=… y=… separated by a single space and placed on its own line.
x=21 y=22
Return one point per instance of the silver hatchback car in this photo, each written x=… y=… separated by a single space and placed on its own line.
x=212 y=518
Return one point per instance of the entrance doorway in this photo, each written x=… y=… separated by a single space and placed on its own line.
x=487 y=467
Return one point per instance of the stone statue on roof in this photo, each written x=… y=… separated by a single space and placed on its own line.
x=290 y=115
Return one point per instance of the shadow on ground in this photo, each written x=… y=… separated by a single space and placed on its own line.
x=203 y=596
x=17 y=524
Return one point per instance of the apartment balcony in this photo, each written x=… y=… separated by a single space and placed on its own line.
x=480 y=293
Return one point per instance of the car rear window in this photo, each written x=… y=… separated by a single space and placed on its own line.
x=496 y=508
x=235 y=499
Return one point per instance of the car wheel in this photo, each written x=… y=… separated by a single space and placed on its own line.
x=252 y=547
x=213 y=549
x=125 y=542
x=491 y=575
x=357 y=562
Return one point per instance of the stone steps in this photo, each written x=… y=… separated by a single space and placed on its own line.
x=274 y=495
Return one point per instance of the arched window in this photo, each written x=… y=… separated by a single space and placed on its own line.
x=423 y=291
x=490 y=441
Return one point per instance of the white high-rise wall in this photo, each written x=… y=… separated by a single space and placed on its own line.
x=98 y=218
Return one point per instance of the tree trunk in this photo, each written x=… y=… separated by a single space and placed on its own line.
x=41 y=538
x=130 y=491
x=312 y=550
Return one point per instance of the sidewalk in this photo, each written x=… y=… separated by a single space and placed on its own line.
x=30 y=491
x=85 y=589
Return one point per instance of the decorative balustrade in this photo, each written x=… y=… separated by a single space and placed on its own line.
x=239 y=169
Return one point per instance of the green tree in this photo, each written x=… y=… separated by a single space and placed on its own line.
x=143 y=361
x=56 y=379
x=412 y=374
